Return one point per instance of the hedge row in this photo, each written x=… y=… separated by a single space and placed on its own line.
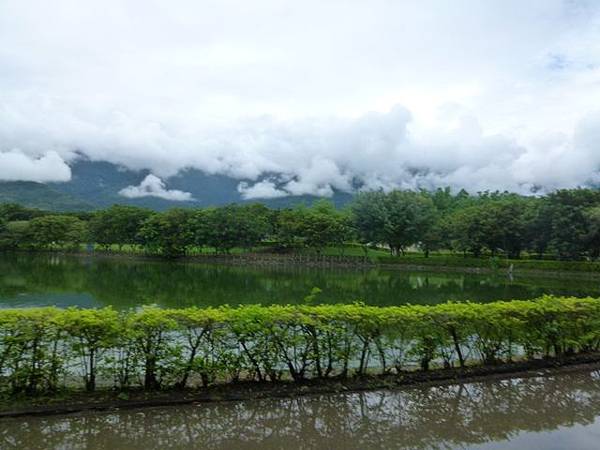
x=44 y=349
x=492 y=263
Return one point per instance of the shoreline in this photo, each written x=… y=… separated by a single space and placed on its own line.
x=313 y=261
x=73 y=402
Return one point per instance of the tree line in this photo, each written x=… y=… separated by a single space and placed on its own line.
x=564 y=224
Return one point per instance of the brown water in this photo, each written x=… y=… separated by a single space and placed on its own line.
x=558 y=412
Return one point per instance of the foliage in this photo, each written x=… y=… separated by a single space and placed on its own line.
x=564 y=225
x=10 y=212
x=59 y=230
x=160 y=348
x=118 y=225
x=15 y=234
x=231 y=226
x=369 y=216
x=410 y=215
x=167 y=233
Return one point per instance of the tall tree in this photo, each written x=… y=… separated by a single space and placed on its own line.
x=369 y=216
x=60 y=230
x=592 y=237
x=569 y=226
x=322 y=225
x=117 y=225
x=231 y=226
x=410 y=216
x=11 y=212
x=168 y=233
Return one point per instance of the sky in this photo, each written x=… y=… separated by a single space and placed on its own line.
x=306 y=97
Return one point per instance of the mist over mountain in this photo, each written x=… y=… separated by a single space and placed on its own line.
x=196 y=104
x=95 y=185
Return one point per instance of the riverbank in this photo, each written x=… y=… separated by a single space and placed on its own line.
x=69 y=402
x=434 y=263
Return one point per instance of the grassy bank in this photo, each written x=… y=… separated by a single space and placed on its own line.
x=356 y=255
x=47 y=350
x=492 y=263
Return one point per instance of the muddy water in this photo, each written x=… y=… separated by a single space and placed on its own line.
x=557 y=412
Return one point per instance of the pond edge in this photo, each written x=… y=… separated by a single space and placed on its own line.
x=108 y=400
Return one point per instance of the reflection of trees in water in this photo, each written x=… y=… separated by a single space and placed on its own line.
x=417 y=418
x=127 y=283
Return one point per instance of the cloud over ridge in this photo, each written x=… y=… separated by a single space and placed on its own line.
x=18 y=166
x=152 y=186
x=385 y=95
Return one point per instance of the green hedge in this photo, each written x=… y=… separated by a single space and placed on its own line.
x=44 y=349
x=492 y=263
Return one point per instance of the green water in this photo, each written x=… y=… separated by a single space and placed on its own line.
x=46 y=279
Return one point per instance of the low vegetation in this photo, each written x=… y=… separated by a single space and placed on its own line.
x=492 y=263
x=43 y=350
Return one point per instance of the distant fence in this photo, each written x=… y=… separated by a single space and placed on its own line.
x=274 y=259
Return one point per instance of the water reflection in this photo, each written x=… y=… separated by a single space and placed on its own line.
x=481 y=415
x=36 y=280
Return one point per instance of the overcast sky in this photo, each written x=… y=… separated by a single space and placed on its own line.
x=319 y=94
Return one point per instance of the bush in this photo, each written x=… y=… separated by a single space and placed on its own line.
x=43 y=349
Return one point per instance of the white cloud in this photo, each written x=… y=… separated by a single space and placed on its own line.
x=481 y=95
x=17 y=166
x=152 y=186
x=262 y=190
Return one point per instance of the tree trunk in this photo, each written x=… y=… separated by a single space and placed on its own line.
x=150 y=381
x=90 y=383
x=461 y=359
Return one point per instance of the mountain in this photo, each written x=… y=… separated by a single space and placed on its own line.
x=39 y=195
x=96 y=185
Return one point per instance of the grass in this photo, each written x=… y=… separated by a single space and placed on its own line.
x=382 y=256
x=445 y=260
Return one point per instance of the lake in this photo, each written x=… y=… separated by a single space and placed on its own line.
x=561 y=411
x=550 y=412
x=49 y=279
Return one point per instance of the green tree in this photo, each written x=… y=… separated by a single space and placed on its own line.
x=567 y=210
x=539 y=229
x=469 y=227
x=232 y=226
x=118 y=225
x=322 y=225
x=167 y=233
x=13 y=212
x=497 y=222
x=59 y=230
x=513 y=215
x=369 y=216
x=592 y=238
x=15 y=235
x=289 y=227
x=435 y=236
x=398 y=219
x=410 y=216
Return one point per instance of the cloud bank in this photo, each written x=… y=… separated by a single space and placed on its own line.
x=475 y=95
x=152 y=186
x=18 y=166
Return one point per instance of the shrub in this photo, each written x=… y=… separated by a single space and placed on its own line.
x=165 y=348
